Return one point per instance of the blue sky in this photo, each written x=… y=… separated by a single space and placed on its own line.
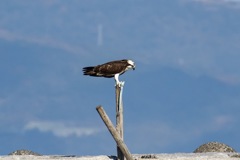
x=184 y=92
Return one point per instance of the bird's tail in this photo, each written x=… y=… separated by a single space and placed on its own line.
x=88 y=71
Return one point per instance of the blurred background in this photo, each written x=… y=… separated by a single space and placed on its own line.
x=184 y=92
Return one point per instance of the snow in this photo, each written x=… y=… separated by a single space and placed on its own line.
x=164 y=156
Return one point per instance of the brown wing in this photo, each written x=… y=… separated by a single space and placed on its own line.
x=107 y=70
x=110 y=69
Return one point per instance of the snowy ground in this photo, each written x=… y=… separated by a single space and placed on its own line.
x=176 y=156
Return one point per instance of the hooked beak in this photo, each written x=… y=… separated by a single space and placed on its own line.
x=133 y=67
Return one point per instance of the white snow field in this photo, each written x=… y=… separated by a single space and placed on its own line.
x=163 y=156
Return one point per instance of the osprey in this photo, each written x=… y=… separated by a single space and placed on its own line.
x=110 y=69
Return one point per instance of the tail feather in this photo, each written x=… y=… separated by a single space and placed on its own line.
x=89 y=71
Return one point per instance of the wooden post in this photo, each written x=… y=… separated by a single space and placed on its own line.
x=119 y=116
x=122 y=146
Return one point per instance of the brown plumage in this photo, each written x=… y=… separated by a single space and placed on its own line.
x=110 y=69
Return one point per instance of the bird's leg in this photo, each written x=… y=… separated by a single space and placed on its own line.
x=119 y=83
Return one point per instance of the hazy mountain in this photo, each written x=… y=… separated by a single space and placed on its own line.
x=184 y=92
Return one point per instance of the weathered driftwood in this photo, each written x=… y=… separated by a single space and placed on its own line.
x=122 y=146
x=119 y=116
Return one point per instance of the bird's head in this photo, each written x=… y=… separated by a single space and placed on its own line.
x=131 y=64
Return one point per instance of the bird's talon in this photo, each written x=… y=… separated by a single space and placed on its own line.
x=120 y=84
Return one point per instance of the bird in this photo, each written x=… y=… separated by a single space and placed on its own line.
x=110 y=69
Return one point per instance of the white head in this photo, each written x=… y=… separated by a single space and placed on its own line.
x=131 y=64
